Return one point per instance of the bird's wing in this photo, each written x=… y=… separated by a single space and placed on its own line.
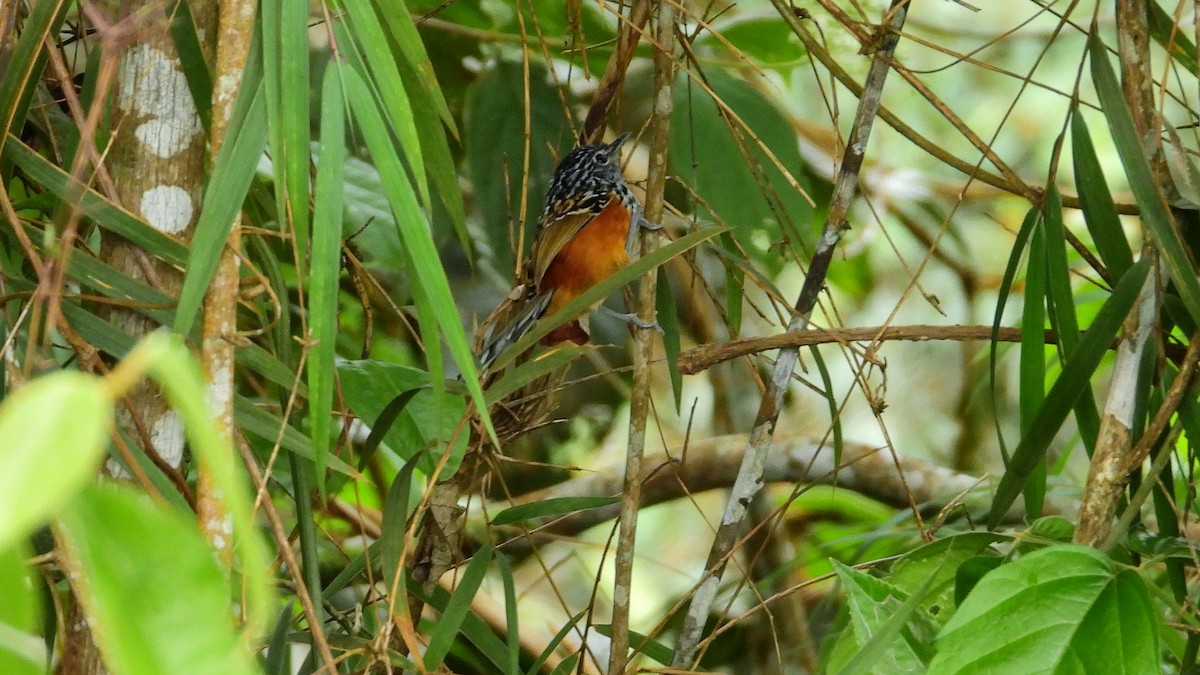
x=552 y=236
x=509 y=322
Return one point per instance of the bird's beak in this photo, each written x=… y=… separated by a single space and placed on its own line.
x=616 y=145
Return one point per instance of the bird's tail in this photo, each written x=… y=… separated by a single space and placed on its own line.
x=508 y=323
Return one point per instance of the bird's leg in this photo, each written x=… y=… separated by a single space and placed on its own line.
x=647 y=225
x=631 y=318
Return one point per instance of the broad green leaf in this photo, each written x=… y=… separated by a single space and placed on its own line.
x=22 y=650
x=740 y=186
x=494 y=139
x=441 y=638
x=1063 y=609
x=1074 y=378
x=325 y=270
x=427 y=422
x=1155 y=214
x=551 y=507
x=53 y=432
x=178 y=374
x=878 y=613
x=936 y=563
x=121 y=541
x=766 y=40
x=236 y=164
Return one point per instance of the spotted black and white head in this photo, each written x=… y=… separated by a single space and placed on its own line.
x=585 y=179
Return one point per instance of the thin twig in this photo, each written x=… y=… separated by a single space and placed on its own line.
x=639 y=404
x=750 y=475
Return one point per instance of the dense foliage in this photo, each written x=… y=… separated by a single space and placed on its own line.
x=243 y=256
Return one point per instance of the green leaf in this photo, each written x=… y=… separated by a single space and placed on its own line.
x=1155 y=214
x=1071 y=382
x=232 y=173
x=1059 y=610
x=1061 y=303
x=557 y=640
x=640 y=644
x=511 y=615
x=325 y=269
x=178 y=375
x=495 y=143
x=122 y=541
x=766 y=40
x=384 y=80
x=428 y=420
x=937 y=563
x=431 y=288
x=878 y=615
x=1031 y=222
x=1169 y=36
x=741 y=186
x=27 y=60
x=515 y=378
x=106 y=214
x=396 y=510
x=277 y=660
x=455 y=611
x=22 y=650
x=551 y=507
x=970 y=572
x=64 y=416
x=1096 y=202
x=1033 y=356
x=191 y=60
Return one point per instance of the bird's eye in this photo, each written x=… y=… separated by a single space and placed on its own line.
x=599 y=158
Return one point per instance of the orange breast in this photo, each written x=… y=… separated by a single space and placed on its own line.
x=593 y=255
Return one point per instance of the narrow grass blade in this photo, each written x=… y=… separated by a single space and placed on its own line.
x=231 y=176
x=1096 y=202
x=456 y=610
x=1033 y=357
x=1155 y=214
x=325 y=268
x=1074 y=378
